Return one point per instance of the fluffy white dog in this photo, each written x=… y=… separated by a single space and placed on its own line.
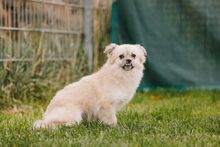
x=100 y=95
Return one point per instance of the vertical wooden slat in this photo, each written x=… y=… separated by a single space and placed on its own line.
x=21 y=18
x=1 y=15
x=40 y=11
x=88 y=32
x=1 y=32
x=1 y=48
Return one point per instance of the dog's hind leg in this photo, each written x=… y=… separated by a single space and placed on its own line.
x=59 y=116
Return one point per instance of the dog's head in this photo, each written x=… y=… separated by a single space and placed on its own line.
x=126 y=56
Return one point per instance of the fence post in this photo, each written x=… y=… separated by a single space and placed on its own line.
x=88 y=32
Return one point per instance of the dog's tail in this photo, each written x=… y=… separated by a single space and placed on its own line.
x=39 y=124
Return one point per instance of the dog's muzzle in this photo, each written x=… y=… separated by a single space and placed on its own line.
x=127 y=65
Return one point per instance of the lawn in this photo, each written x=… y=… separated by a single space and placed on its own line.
x=154 y=118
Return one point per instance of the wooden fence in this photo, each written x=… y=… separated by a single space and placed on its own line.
x=51 y=29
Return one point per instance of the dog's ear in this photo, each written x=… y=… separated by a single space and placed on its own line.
x=109 y=49
x=142 y=58
x=142 y=48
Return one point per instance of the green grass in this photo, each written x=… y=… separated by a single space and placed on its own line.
x=153 y=118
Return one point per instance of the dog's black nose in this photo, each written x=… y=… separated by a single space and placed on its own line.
x=128 y=61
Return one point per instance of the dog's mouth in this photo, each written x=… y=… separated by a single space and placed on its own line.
x=127 y=66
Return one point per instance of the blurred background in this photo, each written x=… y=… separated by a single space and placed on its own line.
x=182 y=39
x=45 y=44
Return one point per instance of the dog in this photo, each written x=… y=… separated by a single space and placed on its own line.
x=101 y=95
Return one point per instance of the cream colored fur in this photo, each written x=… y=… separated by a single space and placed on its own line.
x=101 y=95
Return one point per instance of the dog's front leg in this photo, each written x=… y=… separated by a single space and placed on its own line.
x=106 y=114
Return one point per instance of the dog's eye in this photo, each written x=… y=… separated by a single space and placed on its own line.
x=121 y=56
x=133 y=55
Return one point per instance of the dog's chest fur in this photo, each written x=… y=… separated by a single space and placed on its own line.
x=121 y=98
x=120 y=94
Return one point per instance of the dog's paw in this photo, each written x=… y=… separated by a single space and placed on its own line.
x=39 y=124
x=110 y=121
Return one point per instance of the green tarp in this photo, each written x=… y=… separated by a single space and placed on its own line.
x=182 y=38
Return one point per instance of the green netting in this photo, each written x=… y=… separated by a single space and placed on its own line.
x=182 y=39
